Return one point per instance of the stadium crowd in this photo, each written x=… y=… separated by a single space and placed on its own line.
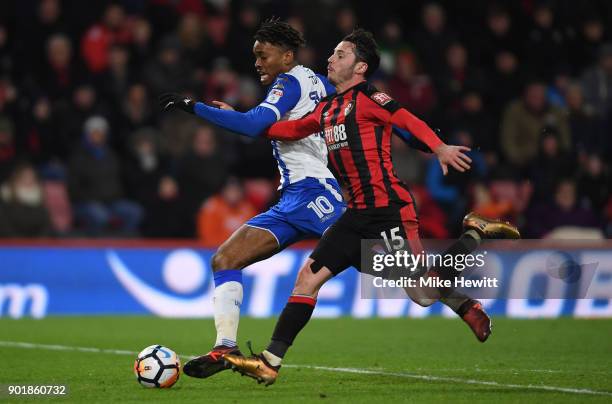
x=85 y=150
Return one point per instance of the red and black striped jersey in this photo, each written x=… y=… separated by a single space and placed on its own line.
x=357 y=126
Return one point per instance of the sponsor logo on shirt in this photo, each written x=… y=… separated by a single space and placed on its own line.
x=274 y=95
x=381 y=98
x=335 y=137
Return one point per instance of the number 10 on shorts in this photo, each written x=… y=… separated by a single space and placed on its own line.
x=321 y=206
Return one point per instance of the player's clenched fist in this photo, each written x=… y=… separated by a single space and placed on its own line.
x=169 y=101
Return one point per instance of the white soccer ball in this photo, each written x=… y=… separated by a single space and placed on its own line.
x=157 y=366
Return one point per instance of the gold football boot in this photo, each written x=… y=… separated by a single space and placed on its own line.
x=490 y=228
x=254 y=366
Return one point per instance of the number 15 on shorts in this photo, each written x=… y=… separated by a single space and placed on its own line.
x=394 y=240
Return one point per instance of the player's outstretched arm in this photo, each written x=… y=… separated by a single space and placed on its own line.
x=251 y=123
x=295 y=130
x=411 y=140
x=447 y=155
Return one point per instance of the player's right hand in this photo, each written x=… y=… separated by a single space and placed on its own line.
x=169 y=101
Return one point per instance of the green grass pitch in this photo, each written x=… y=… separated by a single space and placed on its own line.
x=342 y=360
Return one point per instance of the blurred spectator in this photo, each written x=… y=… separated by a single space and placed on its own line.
x=95 y=184
x=136 y=113
x=391 y=43
x=97 y=41
x=164 y=211
x=141 y=48
x=547 y=43
x=434 y=38
x=224 y=213
x=486 y=203
x=197 y=46
x=412 y=89
x=591 y=35
x=563 y=211
x=223 y=83
x=474 y=119
x=557 y=89
x=116 y=80
x=43 y=141
x=508 y=80
x=169 y=72
x=33 y=37
x=201 y=173
x=61 y=73
x=597 y=83
x=85 y=103
x=594 y=183
x=501 y=197
x=7 y=62
x=248 y=95
x=407 y=162
x=523 y=123
x=449 y=190
x=455 y=77
x=8 y=149
x=240 y=38
x=500 y=36
x=21 y=205
x=587 y=128
x=147 y=181
x=143 y=167
x=552 y=163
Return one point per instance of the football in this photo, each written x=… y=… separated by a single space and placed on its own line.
x=157 y=366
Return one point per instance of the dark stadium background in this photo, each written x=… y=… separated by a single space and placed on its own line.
x=527 y=84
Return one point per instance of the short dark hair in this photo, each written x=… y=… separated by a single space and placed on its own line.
x=281 y=34
x=366 y=49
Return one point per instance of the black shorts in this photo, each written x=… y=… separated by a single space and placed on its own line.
x=340 y=246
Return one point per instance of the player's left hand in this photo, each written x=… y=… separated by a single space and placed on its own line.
x=454 y=156
x=169 y=101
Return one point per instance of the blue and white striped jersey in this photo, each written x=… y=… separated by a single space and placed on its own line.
x=291 y=96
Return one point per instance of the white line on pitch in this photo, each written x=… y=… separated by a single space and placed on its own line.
x=28 y=345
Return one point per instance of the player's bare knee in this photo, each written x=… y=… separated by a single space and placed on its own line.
x=220 y=260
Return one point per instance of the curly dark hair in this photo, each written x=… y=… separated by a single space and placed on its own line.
x=281 y=34
x=366 y=49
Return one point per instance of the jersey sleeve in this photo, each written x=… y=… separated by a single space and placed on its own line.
x=403 y=119
x=297 y=129
x=283 y=95
x=329 y=88
x=384 y=109
x=411 y=140
x=250 y=123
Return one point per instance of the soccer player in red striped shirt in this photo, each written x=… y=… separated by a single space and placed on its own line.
x=357 y=123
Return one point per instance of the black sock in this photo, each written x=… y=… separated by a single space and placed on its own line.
x=467 y=243
x=295 y=316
